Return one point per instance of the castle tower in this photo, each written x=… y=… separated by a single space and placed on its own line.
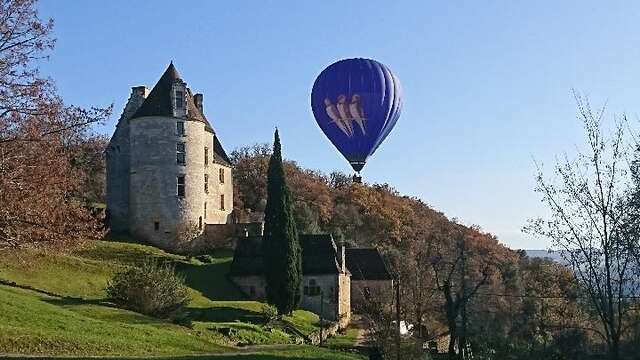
x=166 y=168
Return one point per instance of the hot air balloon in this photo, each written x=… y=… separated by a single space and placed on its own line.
x=356 y=103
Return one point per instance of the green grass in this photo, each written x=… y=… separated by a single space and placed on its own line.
x=39 y=324
x=35 y=323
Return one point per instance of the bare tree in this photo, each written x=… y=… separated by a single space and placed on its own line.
x=39 y=181
x=461 y=267
x=589 y=223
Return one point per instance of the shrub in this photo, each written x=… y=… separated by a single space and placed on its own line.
x=269 y=313
x=152 y=289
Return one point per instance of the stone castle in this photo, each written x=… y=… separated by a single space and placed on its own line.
x=167 y=172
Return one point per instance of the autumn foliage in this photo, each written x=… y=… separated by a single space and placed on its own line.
x=40 y=177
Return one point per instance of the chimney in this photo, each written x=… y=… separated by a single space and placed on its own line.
x=197 y=99
x=139 y=90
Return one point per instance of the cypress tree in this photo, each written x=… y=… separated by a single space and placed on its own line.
x=280 y=246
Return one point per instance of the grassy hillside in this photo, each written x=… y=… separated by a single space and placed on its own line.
x=56 y=306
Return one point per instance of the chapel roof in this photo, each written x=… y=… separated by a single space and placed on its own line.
x=319 y=256
x=366 y=264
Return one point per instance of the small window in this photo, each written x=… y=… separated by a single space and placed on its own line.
x=180 y=128
x=205 y=209
x=367 y=292
x=222 y=202
x=181 y=185
x=206 y=155
x=313 y=289
x=200 y=223
x=180 y=153
x=179 y=99
x=221 y=176
x=206 y=183
x=156 y=226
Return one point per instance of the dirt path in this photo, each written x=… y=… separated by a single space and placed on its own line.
x=361 y=340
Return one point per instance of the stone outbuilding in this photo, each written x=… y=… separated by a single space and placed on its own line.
x=167 y=172
x=370 y=277
x=324 y=271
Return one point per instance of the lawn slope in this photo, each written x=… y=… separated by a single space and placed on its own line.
x=55 y=305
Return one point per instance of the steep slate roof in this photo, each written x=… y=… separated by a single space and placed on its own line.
x=220 y=156
x=366 y=264
x=159 y=103
x=247 y=258
x=319 y=256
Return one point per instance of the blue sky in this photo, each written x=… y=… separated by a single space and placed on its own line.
x=487 y=85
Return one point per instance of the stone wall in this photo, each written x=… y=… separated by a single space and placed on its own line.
x=225 y=236
x=117 y=161
x=153 y=180
x=329 y=286
x=344 y=296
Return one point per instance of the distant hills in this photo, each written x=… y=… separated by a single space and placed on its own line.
x=553 y=255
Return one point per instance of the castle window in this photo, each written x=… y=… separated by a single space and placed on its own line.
x=180 y=128
x=221 y=176
x=179 y=100
x=180 y=153
x=205 y=209
x=222 y=202
x=206 y=183
x=156 y=226
x=200 y=223
x=181 y=185
x=206 y=155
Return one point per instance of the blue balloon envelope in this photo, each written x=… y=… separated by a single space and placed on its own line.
x=356 y=103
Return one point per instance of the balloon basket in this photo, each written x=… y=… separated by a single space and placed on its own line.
x=357 y=179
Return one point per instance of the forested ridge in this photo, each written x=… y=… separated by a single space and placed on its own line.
x=457 y=282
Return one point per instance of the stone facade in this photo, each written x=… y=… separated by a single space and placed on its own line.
x=335 y=293
x=166 y=169
x=325 y=287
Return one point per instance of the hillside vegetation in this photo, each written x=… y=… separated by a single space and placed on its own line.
x=54 y=304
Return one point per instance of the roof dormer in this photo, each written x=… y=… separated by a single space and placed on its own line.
x=179 y=98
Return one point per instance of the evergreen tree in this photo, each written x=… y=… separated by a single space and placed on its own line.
x=281 y=247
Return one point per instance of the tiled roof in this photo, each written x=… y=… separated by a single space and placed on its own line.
x=366 y=264
x=319 y=256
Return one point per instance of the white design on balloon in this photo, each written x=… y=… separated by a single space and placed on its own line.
x=344 y=114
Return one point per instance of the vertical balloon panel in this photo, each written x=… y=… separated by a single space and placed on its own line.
x=356 y=103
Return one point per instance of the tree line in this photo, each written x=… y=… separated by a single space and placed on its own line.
x=459 y=282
